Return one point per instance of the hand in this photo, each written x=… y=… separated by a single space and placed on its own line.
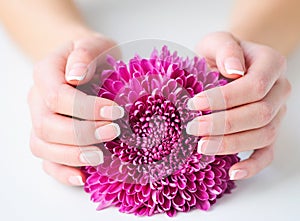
x=250 y=108
x=52 y=103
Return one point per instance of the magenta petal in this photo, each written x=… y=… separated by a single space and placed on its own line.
x=121 y=195
x=201 y=195
x=114 y=188
x=171 y=212
x=109 y=197
x=103 y=204
x=181 y=183
x=166 y=205
x=204 y=205
x=178 y=201
x=192 y=201
x=146 y=191
x=142 y=211
x=124 y=73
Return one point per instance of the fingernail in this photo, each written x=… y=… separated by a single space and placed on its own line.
x=112 y=112
x=76 y=180
x=107 y=132
x=197 y=128
x=77 y=72
x=209 y=147
x=92 y=158
x=199 y=102
x=238 y=174
x=234 y=66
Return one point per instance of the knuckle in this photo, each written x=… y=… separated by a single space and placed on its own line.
x=40 y=128
x=271 y=133
x=261 y=87
x=266 y=112
x=227 y=100
x=51 y=100
x=228 y=125
x=34 y=147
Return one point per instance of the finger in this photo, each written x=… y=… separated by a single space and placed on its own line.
x=223 y=51
x=243 y=141
x=59 y=129
x=64 y=99
x=246 y=117
x=67 y=155
x=265 y=67
x=62 y=130
x=64 y=174
x=82 y=61
x=72 y=102
x=257 y=161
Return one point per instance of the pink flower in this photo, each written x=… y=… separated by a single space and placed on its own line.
x=153 y=166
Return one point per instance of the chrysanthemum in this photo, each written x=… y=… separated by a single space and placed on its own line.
x=153 y=166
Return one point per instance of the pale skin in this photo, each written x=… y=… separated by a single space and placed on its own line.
x=255 y=109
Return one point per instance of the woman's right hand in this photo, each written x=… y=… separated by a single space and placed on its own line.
x=52 y=103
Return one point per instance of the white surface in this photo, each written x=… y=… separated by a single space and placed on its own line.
x=26 y=193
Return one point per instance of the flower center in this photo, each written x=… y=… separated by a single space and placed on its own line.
x=157 y=126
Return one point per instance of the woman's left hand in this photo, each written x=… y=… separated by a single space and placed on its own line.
x=249 y=109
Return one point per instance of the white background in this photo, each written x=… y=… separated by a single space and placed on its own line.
x=26 y=193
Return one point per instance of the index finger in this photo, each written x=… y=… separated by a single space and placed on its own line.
x=62 y=98
x=265 y=67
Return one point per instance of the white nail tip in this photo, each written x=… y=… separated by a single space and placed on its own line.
x=121 y=109
x=117 y=127
x=93 y=158
x=232 y=174
x=76 y=180
x=190 y=128
x=98 y=131
x=200 y=144
x=190 y=104
x=75 y=78
x=232 y=71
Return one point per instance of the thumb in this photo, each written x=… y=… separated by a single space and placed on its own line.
x=81 y=63
x=223 y=51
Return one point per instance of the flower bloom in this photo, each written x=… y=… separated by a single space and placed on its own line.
x=153 y=166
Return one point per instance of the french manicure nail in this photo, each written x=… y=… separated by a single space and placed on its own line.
x=234 y=66
x=198 y=103
x=238 y=174
x=112 y=112
x=91 y=157
x=210 y=147
x=107 y=132
x=76 y=180
x=77 y=72
x=197 y=128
